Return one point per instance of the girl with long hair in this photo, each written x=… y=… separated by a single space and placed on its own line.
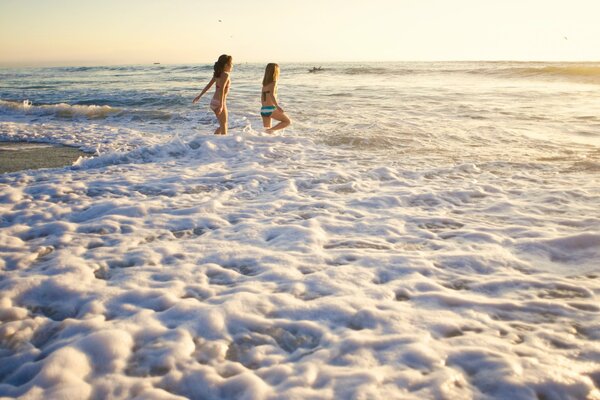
x=270 y=108
x=218 y=104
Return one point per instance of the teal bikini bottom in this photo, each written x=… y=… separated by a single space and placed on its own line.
x=266 y=111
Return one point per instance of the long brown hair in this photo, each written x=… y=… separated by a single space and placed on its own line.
x=271 y=73
x=223 y=60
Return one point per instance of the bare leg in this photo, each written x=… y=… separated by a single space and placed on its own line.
x=223 y=121
x=266 y=122
x=285 y=121
x=222 y=129
x=218 y=130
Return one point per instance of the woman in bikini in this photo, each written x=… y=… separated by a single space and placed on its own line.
x=218 y=104
x=270 y=109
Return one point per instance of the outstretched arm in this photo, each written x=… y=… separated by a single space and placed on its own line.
x=208 y=86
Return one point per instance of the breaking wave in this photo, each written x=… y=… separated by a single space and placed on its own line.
x=81 y=111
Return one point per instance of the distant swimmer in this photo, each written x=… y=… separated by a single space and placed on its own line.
x=218 y=104
x=270 y=108
x=315 y=69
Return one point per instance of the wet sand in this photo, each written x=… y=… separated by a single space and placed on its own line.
x=17 y=156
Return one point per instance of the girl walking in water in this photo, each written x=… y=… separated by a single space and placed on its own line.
x=218 y=104
x=270 y=109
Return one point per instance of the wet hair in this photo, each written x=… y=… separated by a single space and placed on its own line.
x=223 y=60
x=271 y=73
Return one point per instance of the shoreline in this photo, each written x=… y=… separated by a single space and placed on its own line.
x=21 y=156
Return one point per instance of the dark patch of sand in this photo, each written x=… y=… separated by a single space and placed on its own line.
x=17 y=156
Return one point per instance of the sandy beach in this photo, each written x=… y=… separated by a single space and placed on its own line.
x=17 y=156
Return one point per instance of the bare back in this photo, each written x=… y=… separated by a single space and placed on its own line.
x=269 y=94
x=222 y=81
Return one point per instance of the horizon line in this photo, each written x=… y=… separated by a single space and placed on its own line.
x=109 y=64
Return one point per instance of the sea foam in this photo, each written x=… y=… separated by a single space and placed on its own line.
x=176 y=264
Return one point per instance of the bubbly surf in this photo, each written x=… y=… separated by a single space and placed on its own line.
x=424 y=230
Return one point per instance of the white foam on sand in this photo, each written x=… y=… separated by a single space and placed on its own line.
x=254 y=266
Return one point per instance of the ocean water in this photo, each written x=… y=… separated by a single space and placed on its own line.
x=423 y=230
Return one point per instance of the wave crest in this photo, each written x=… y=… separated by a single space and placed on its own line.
x=585 y=73
x=63 y=110
x=87 y=111
x=577 y=72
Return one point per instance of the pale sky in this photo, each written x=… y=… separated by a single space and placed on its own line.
x=85 y=32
